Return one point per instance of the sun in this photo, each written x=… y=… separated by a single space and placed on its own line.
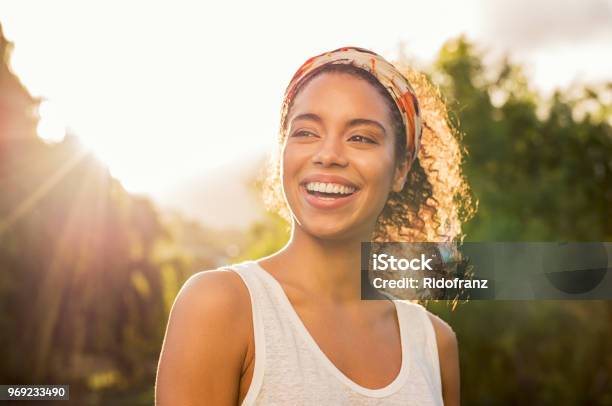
x=51 y=125
x=123 y=165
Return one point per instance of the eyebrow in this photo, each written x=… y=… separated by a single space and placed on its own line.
x=352 y=123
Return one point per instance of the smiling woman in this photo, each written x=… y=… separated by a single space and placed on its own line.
x=361 y=160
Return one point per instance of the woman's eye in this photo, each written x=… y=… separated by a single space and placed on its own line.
x=361 y=138
x=303 y=133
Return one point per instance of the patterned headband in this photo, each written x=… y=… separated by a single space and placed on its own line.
x=396 y=84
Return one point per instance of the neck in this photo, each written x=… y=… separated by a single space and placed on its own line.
x=328 y=268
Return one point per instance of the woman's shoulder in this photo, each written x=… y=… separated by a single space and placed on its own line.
x=446 y=338
x=214 y=303
x=207 y=340
x=448 y=358
x=445 y=335
x=447 y=353
x=217 y=290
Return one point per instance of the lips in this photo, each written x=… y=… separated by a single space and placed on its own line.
x=326 y=201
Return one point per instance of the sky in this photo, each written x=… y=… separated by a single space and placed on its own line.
x=167 y=91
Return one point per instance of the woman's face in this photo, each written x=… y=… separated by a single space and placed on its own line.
x=338 y=162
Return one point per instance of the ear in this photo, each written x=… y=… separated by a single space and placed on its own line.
x=399 y=178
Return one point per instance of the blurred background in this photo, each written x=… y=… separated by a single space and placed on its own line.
x=132 y=135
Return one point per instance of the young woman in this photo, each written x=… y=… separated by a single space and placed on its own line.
x=359 y=162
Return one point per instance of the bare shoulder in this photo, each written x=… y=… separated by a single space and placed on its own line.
x=206 y=341
x=213 y=296
x=445 y=335
x=214 y=303
x=448 y=357
x=218 y=290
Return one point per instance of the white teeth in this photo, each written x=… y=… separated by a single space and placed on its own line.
x=329 y=188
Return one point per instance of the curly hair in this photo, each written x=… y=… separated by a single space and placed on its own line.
x=436 y=197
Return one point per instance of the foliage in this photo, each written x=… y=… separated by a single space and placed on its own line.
x=542 y=171
x=81 y=287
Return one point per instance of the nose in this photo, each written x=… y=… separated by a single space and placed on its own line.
x=330 y=153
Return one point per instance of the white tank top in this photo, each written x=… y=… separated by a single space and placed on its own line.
x=291 y=369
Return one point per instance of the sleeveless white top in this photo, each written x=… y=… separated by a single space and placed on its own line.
x=291 y=369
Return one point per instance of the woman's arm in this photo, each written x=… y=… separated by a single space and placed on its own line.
x=206 y=342
x=448 y=354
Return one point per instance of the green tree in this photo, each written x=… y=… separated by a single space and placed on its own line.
x=542 y=171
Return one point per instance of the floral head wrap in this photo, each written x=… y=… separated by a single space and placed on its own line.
x=396 y=84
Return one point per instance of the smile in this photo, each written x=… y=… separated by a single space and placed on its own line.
x=329 y=188
x=325 y=195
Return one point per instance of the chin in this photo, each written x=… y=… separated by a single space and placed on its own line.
x=331 y=232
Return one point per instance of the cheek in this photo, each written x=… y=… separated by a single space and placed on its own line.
x=292 y=160
x=377 y=170
x=289 y=163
